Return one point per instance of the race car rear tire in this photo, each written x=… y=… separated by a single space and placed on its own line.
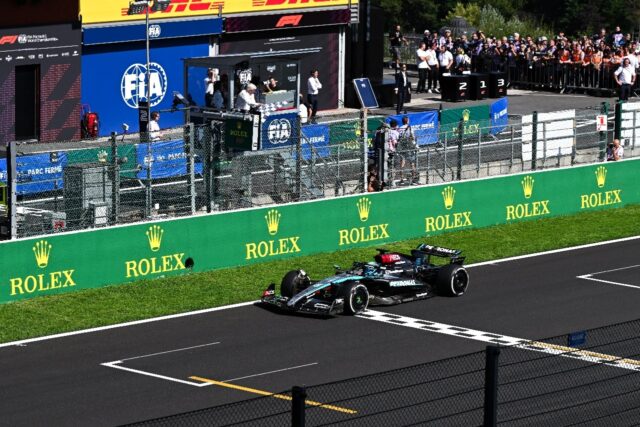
x=292 y=283
x=452 y=280
x=356 y=298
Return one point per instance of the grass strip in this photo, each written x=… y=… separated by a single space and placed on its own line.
x=151 y=298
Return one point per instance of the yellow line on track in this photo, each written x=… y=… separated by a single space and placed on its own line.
x=277 y=396
x=584 y=353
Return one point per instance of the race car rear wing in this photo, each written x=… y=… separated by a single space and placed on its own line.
x=453 y=254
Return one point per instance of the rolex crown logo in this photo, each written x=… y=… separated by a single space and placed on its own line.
x=527 y=186
x=273 y=221
x=42 y=250
x=448 y=195
x=154 y=235
x=465 y=115
x=601 y=176
x=102 y=156
x=364 y=207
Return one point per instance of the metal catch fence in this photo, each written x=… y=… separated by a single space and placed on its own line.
x=193 y=169
x=587 y=378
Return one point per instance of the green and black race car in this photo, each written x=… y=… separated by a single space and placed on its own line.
x=392 y=278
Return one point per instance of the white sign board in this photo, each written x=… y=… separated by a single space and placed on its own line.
x=555 y=134
x=630 y=127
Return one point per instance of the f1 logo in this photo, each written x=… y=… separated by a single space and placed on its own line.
x=293 y=20
x=8 y=39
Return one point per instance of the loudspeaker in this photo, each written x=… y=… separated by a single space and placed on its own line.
x=497 y=84
x=478 y=86
x=454 y=88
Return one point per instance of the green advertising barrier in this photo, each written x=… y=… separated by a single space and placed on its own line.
x=91 y=259
x=473 y=119
x=346 y=135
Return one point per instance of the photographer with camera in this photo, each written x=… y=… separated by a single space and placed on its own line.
x=615 y=151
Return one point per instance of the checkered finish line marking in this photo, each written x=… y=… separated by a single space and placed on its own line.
x=503 y=340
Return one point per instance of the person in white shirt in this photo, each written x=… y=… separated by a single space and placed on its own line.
x=246 y=98
x=432 y=72
x=625 y=76
x=313 y=88
x=445 y=58
x=423 y=67
x=615 y=151
x=209 y=82
x=303 y=111
x=154 y=127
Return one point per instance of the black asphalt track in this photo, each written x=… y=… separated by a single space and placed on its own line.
x=63 y=382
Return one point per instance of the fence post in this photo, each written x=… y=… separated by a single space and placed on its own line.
x=460 y=151
x=491 y=386
x=617 y=125
x=115 y=179
x=12 y=184
x=365 y=150
x=574 y=143
x=604 y=109
x=544 y=144
x=191 y=165
x=513 y=137
x=298 y=399
x=534 y=140
x=148 y=209
x=479 y=153
x=298 y=185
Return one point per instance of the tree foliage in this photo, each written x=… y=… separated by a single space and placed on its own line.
x=571 y=16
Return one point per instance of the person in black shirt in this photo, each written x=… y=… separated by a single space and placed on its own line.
x=396 y=39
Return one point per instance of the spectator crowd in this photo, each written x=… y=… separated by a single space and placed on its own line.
x=601 y=61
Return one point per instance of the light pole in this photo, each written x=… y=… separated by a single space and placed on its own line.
x=136 y=8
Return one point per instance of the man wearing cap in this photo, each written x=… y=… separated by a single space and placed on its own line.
x=426 y=39
x=246 y=98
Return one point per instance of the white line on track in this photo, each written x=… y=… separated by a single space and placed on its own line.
x=116 y=365
x=610 y=282
x=169 y=351
x=21 y=343
x=269 y=372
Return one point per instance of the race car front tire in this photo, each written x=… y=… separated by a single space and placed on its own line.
x=356 y=298
x=292 y=283
x=452 y=280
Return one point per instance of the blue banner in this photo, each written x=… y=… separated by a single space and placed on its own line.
x=316 y=137
x=499 y=116
x=279 y=130
x=37 y=173
x=103 y=34
x=168 y=159
x=114 y=95
x=424 y=126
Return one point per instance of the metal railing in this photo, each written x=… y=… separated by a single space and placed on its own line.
x=190 y=170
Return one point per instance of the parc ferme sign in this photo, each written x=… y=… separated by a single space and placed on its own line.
x=93 y=11
x=67 y=262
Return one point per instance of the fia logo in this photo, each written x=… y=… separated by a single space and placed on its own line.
x=134 y=89
x=154 y=31
x=279 y=131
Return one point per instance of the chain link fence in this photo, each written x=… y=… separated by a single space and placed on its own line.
x=195 y=169
x=546 y=382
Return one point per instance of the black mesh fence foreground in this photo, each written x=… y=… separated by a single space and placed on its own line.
x=595 y=382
